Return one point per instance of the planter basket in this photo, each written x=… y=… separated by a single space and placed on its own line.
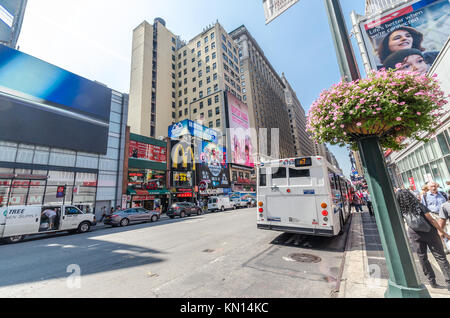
x=375 y=130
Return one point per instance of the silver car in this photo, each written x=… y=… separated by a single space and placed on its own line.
x=125 y=217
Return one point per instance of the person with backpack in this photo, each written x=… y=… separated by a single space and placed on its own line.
x=424 y=233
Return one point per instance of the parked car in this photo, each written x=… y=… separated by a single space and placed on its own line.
x=183 y=209
x=125 y=217
x=220 y=203
x=20 y=221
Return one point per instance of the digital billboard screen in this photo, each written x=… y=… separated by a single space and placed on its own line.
x=45 y=105
x=239 y=132
x=408 y=37
x=212 y=167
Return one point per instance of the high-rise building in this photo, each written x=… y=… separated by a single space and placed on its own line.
x=172 y=80
x=207 y=66
x=303 y=145
x=11 y=18
x=153 y=79
x=264 y=92
x=374 y=6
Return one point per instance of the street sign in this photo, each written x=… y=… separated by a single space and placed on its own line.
x=274 y=8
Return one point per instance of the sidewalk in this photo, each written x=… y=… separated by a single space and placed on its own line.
x=365 y=274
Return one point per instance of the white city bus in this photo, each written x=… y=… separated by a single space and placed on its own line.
x=302 y=196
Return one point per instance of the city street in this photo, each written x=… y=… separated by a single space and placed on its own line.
x=212 y=255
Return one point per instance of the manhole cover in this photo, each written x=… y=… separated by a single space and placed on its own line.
x=305 y=258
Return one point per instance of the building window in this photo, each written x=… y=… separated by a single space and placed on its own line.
x=209 y=101
x=201 y=105
x=216 y=98
x=210 y=113
x=199 y=44
x=210 y=124
x=214 y=55
x=218 y=123
x=217 y=110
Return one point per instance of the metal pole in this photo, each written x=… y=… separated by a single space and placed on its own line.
x=403 y=281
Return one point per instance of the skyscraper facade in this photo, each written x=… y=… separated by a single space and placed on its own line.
x=303 y=145
x=264 y=92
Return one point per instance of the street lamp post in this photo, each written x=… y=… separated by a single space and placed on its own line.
x=403 y=279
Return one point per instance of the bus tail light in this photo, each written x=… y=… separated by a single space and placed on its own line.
x=325 y=213
x=260 y=204
x=261 y=210
x=324 y=205
x=288 y=190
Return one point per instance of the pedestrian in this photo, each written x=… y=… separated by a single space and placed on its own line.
x=444 y=215
x=51 y=216
x=415 y=192
x=111 y=211
x=424 y=236
x=368 y=201
x=424 y=191
x=103 y=214
x=357 y=202
x=434 y=199
x=118 y=208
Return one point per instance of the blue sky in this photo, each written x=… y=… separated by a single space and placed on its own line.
x=92 y=38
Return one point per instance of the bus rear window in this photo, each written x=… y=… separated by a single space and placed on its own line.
x=279 y=173
x=263 y=177
x=304 y=173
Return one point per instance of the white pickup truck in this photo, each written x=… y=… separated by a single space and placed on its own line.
x=19 y=221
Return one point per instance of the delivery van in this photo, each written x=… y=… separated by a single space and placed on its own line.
x=19 y=221
x=220 y=203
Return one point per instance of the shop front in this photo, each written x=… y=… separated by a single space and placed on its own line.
x=242 y=179
x=48 y=187
x=147 y=174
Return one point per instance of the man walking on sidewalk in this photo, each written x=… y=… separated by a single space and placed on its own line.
x=368 y=200
x=433 y=200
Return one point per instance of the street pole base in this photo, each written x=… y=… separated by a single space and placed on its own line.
x=397 y=291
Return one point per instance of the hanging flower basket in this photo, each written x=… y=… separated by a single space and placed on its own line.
x=387 y=104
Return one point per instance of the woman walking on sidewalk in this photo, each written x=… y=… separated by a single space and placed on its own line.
x=425 y=234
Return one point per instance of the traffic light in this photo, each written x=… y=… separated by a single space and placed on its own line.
x=61 y=192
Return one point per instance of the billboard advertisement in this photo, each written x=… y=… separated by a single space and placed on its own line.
x=239 y=132
x=46 y=105
x=190 y=128
x=143 y=151
x=408 y=37
x=212 y=167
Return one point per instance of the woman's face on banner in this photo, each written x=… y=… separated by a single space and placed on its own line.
x=400 y=40
x=415 y=63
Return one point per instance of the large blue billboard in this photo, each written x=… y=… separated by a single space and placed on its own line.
x=191 y=128
x=46 y=105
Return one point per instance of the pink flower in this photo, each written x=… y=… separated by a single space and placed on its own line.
x=399 y=119
x=419 y=113
x=358 y=124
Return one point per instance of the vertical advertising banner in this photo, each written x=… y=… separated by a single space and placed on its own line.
x=239 y=132
x=408 y=37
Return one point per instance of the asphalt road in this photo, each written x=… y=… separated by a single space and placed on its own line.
x=207 y=256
